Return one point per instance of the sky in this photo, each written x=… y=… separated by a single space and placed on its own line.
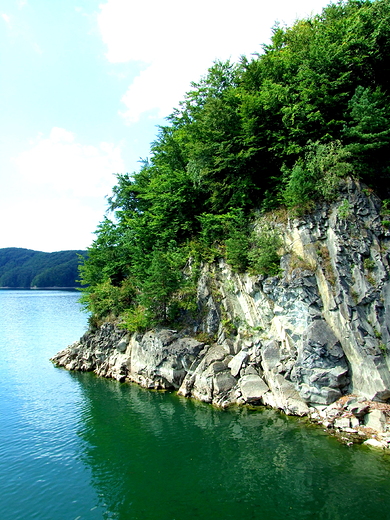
x=84 y=85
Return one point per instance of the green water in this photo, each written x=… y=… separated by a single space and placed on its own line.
x=73 y=446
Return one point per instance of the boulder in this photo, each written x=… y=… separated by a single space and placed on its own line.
x=342 y=422
x=374 y=443
x=376 y=420
x=236 y=363
x=358 y=409
x=223 y=382
x=253 y=388
x=283 y=395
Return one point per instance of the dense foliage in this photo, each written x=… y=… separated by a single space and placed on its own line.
x=25 y=268
x=281 y=128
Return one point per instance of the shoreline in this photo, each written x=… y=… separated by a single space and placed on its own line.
x=165 y=361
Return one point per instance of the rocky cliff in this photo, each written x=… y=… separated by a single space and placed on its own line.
x=299 y=341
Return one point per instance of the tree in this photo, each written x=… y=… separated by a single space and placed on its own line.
x=368 y=132
x=163 y=278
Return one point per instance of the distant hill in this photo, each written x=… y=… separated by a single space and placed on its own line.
x=25 y=268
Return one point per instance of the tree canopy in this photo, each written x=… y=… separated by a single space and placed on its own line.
x=280 y=128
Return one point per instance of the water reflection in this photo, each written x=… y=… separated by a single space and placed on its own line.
x=157 y=456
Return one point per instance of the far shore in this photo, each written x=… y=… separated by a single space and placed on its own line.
x=54 y=288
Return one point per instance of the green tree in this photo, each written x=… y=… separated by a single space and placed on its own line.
x=368 y=132
x=164 y=278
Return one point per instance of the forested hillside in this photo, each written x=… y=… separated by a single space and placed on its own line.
x=279 y=130
x=25 y=268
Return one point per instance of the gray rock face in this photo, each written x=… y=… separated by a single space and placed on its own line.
x=154 y=360
x=302 y=339
x=321 y=368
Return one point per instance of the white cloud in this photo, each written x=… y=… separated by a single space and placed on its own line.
x=159 y=88
x=6 y=18
x=48 y=224
x=178 y=40
x=66 y=166
x=56 y=197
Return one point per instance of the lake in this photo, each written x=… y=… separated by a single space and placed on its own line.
x=76 y=447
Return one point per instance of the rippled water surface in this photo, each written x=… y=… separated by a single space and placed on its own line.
x=73 y=446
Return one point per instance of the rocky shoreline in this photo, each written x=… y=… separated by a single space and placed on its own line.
x=314 y=341
x=172 y=365
x=355 y=420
